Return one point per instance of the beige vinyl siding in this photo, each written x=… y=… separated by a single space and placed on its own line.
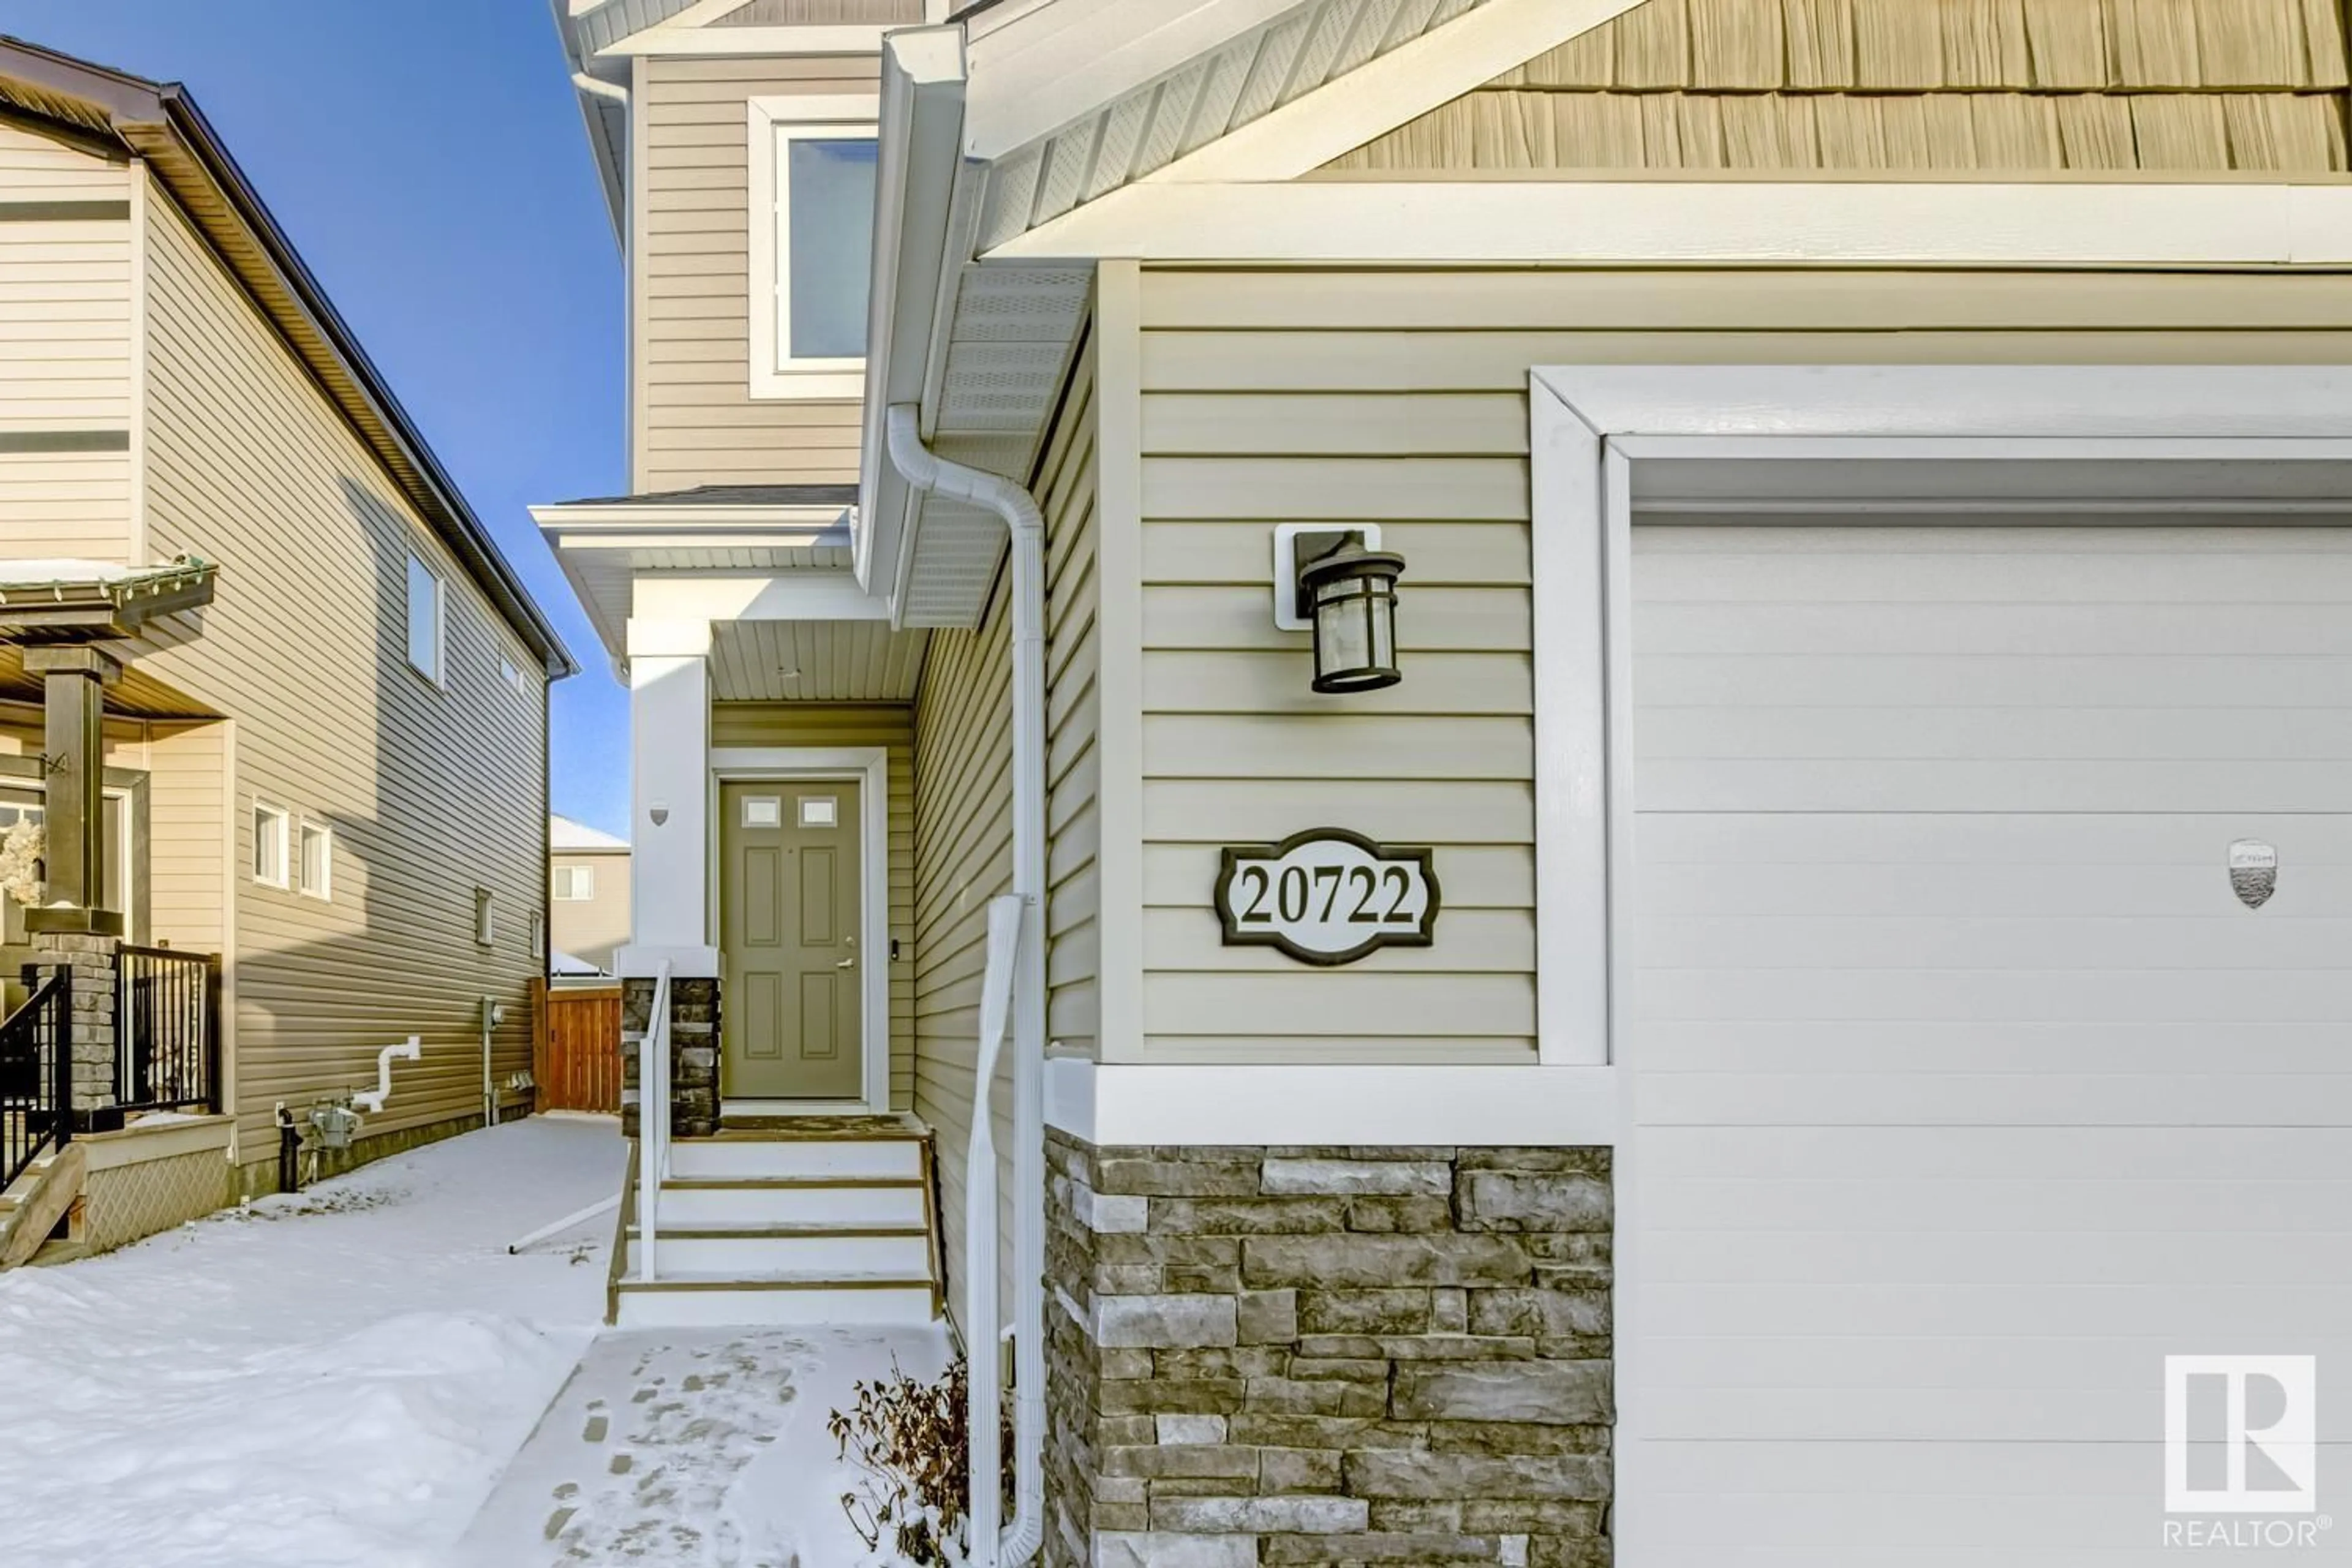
x=590 y=928
x=964 y=858
x=1400 y=399
x=429 y=792
x=892 y=726
x=187 y=783
x=190 y=786
x=65 y=351
x=963 y=815
x=1066 y=491
x=697 y=421
x=2086 y=86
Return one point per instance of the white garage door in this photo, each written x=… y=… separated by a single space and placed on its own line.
x=1967 y=1089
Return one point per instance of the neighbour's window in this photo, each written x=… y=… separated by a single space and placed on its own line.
x=485 y=919
x=538 y=935
x=511 y=673
x=318 y=860
x=270 y=845
x=811 y=203
x=575 y=884
x=425 y=620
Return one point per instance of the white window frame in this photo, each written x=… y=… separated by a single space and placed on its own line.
x=813 y=116
x=511 y=671
x=272 y=826
x=486 y=918
x=299 y=867
x=439 y=673
x=570 y=876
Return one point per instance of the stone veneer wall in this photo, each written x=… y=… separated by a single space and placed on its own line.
x=1328 y=1355
x=693 y=1053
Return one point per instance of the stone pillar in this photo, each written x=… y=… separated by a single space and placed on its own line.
x=693 y=1053
x=88 y=962
x=1301 y=1355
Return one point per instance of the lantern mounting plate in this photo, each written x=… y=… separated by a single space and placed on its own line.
x=1294 y=545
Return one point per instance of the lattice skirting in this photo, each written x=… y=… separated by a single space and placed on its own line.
x=129 y=1202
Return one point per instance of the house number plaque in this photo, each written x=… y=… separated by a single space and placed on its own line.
x=1327 y=896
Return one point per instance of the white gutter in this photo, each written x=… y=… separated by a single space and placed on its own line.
x=612 y=90
x=926 y=470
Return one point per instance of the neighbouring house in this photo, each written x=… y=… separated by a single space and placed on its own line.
x=587 y=898
x=273 y=708
x=1798 y=967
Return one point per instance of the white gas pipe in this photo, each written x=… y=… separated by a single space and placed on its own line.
x=371 y=1099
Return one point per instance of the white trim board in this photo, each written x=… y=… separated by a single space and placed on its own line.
x=870 y=765
x=1134 y=1104
x=1498 y=222
x=1594 y=428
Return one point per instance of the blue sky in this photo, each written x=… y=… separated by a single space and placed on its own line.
x=428 y=161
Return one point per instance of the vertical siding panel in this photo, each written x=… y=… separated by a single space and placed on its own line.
x=429 y=792
x=1066 y=490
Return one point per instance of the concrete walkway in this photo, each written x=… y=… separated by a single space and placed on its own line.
x=688 y=1447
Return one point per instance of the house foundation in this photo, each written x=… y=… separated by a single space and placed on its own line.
x=1328 y=1355
x=693 y=1053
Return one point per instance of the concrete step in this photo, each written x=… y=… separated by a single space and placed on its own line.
x=690 y=1300
x=806 y=1249
x=687 y=1201
x=750 y=1155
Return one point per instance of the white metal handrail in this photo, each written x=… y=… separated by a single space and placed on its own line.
x=653 y=1124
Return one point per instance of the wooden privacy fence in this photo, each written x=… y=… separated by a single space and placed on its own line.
x=576 y=1048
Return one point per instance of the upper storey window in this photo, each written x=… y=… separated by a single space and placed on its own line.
x=812 y=215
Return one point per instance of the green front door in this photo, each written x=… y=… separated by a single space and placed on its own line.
x=791 y=1011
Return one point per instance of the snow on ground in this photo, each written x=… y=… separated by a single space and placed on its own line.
x=323 y=1380
x=704 y=1446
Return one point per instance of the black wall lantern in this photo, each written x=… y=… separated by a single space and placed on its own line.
x=1346 y=594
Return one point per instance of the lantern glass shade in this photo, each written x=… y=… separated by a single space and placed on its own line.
x=1351 y=593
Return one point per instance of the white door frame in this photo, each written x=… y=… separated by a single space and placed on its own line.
x=870 y=765
x=1596 y=433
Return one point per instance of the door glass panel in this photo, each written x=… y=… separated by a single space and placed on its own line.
x=763 y=811
x=820 y=811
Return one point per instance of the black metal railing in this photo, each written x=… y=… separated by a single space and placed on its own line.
x=166 y=1030
x=35 y=1076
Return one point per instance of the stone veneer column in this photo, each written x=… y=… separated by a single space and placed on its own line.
x=693 y=1053
x=1328 y=1355
x=91 y=962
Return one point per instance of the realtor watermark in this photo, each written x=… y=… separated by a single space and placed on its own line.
x=2241 y=1451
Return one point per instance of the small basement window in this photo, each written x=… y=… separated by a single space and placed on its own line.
x=425 y=620
x=575 y=884
x=317 y=860
x=269 y=826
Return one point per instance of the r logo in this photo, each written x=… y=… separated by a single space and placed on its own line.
x=2241 y=1434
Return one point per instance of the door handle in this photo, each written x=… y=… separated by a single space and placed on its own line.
x=849 y=963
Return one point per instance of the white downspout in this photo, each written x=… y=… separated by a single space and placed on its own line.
x=1019 y=1541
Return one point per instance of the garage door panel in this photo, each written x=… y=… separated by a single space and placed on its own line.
x=1874 y=628
x=1667 y=681
x=2206 y=1159
x=2088 y=1258
x=1971 y=1099
x=1894 y=996
x=2234 y=731
x=2224 y=938
x=1975 y=840
x=2184 y=1311
x=1879 y=784
x=2047 y=890
x=2002 y=1047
